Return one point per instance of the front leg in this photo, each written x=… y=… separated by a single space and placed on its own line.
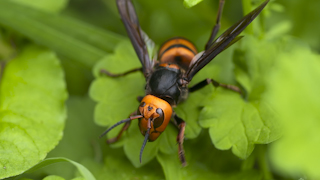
x=103 y=71
x=181 y=124
x=215 y=84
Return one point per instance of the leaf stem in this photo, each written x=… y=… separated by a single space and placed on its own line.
x=262 y=161
x=248 y=163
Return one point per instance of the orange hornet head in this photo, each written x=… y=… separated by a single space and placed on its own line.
x=156 y=114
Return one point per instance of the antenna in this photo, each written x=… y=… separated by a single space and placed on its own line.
x=120 y=122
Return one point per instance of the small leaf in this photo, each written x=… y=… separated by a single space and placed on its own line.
x=32 y=96
x=237 y=124
x=117 y=97
x=191 y=3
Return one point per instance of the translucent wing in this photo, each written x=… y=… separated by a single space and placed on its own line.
x=222 y=42
x=136 y=35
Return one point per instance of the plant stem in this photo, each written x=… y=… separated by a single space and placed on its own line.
x=262 y=161
x=2 y=65
x=249 y=162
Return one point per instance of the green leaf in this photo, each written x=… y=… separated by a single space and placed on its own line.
x=115 y=101
x=204 y=163
x=132 y=146
x=53 y=177
x=69 y=37
x=83 y=170
x=240 y=122
x=117 y=166
x=80 y=140
x=78 y=178
x=165 y=143
x=236 y=123
x=191 y=3
x=295 y=88
x=32 y=96
x=48 y=5
x=219 y=69
x=195 y=171
x=189 y=112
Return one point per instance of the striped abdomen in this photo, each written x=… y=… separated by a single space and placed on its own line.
x=177 y=51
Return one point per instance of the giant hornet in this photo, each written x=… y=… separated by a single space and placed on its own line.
x=167 y=77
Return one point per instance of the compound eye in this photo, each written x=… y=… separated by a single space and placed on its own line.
x=142 y=104
x=159 y=120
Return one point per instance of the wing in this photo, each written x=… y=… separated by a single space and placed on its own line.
x=225 y=40
x=136 y=35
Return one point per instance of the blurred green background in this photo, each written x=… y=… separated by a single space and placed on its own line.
x=82 y=32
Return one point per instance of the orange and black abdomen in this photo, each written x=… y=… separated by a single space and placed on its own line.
x=177 y=51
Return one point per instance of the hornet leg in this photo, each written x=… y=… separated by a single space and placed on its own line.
x=181 y=127
x=215 y=84
x=103 y=71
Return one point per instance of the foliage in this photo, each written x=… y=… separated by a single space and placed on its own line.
x=32 y=109
x=191 y=3
x=271 y=129
x=83 y=171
